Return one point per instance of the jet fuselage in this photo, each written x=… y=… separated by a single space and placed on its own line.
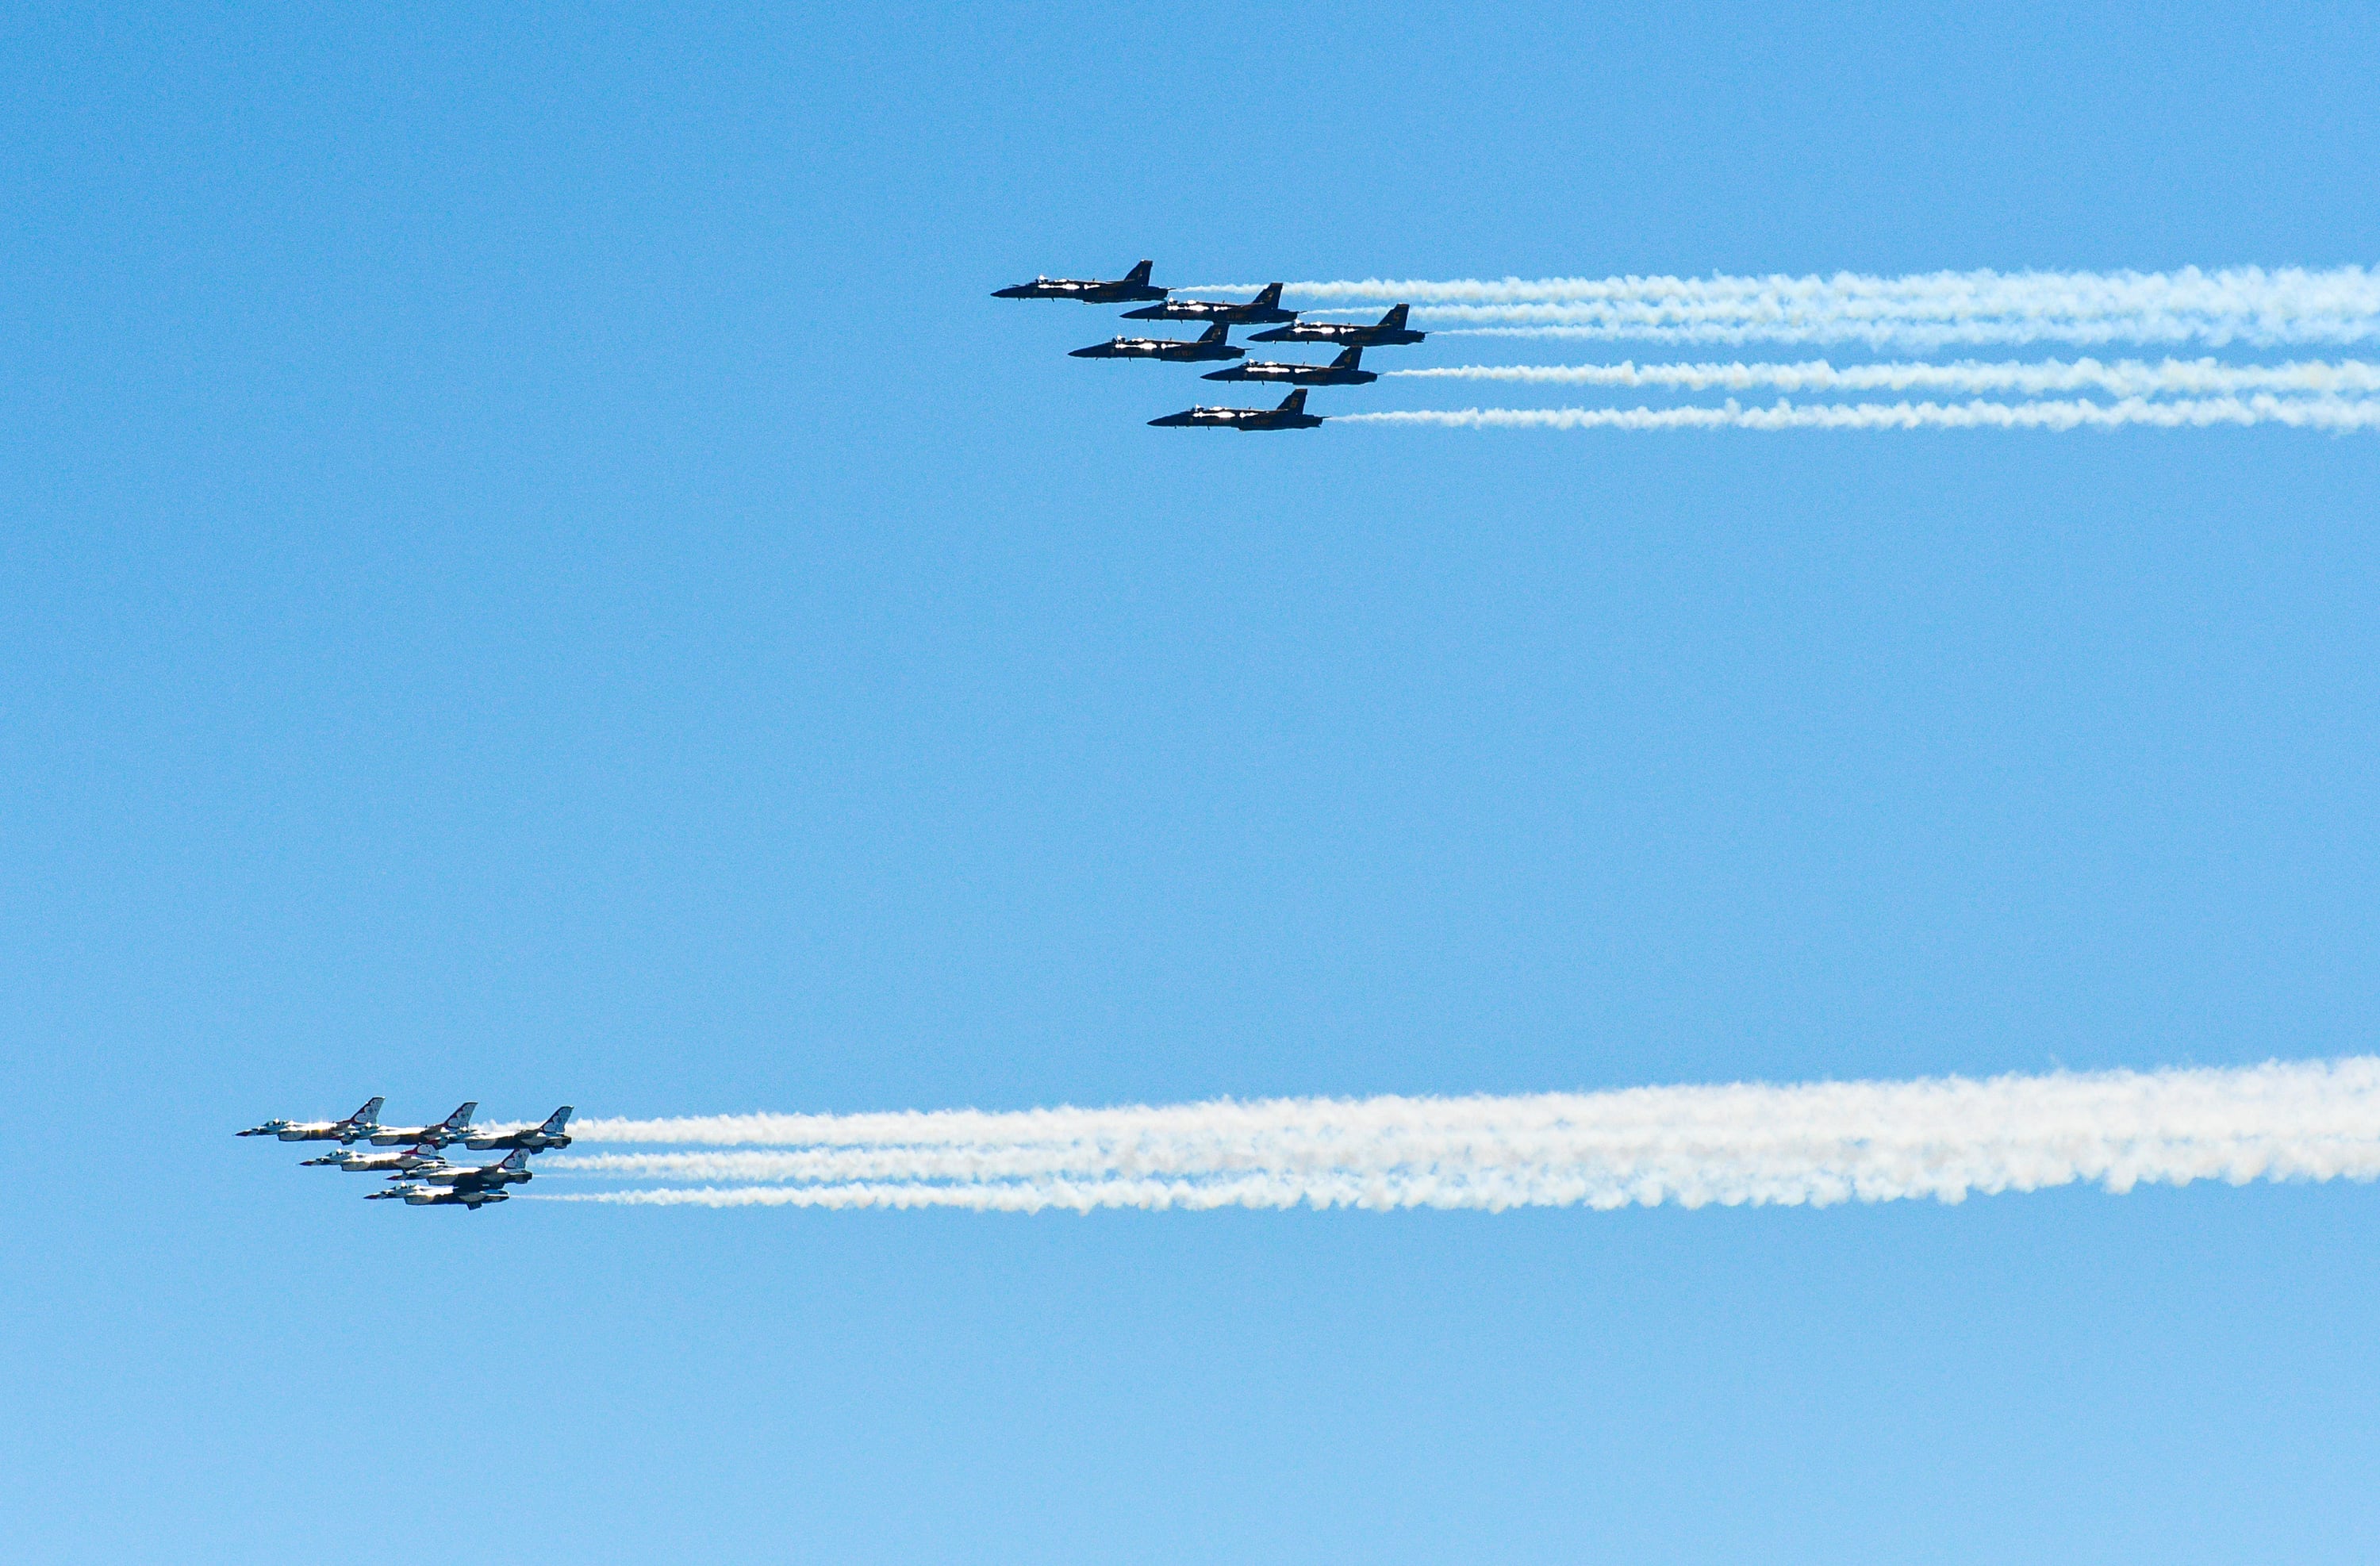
x=1130 y=289
x=432 y=1197
x=361 y=1124
x=1176 y=350
x=1290 y=415
x=1390 y=330
x=1296 y=374
x=528 y=1139
x=371 y=1163
x=1264 y=308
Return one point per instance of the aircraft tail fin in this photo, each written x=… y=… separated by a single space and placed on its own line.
x=369 y=1114
x=1349 y=358
x=1219 y=332
x=1138 y=274
x=519 y=1159
x=556 y=1121
x=1269 y=298
x=462 y=1115
x=1294 y=402
x=1395 y=319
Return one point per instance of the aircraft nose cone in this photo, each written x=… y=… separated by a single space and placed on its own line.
x=1083 y=353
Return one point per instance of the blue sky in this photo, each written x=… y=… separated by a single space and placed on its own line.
x=535 y=573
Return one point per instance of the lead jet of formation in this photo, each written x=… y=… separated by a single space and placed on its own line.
x=1214 y=342
x=1347 y=370
x=1290 y=415
x=531 y=1139
x=361 y=1124
x=354 y=1162
x=1264 y=308
x=1390 y=330
x=1131 y=288
x=468 y=1185
x=454 y=1128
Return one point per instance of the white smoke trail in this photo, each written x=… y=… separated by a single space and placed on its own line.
x=2241 y=304
x=2317 y=413
x=1736 y=1144
x=2134 y=378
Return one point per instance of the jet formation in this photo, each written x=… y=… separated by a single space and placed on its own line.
x=421 y=1175
x=1351 y=337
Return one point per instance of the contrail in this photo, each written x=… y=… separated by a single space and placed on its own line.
x=2314 y=413
x=2200 y=377
x=1745 y=1144
x=2239 y=303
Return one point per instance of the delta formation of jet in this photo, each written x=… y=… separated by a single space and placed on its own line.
x=1264 y=308
x=420 y=1176
x=357 y=1126
x=1347 y=370
x=1221 y=315
x=1214 y=342
x=1290 y=415
x=1131 y=288
x=1390 y=330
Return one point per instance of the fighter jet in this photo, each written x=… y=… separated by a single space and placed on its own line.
x=1389 y=329
x=354 y=1162
x=361 y=1124
x=454 y=1128
x=534 y=1140
x=445 y=1184
x=1214 y=342
x=1290 y=415
x=432 y=1196
x=1345 y=370
x=1265 y=306
x=1130 y=287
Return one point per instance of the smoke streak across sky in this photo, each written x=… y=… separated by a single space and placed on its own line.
x=1736 y=1144
x=2199 y=377
x=2246 y=305
x=2335 y=414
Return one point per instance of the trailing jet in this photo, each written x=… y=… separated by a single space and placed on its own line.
x=1130 y=289
x=1265 y=306
x=454 y=1128
x=1345 y=370
x=1214 y=342
x=446 y=1184
x=432 y=1196
x=1389 y=329
x=533 y=1139
x=1290 y=415
x=354 y=1162
x=361 y=1124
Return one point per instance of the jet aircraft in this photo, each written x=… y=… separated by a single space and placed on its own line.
x=454 y=1128
x=534 y=1140
x=1290 y=415
x=1132 y=287
x=361 y=1124
x=1345 y=370
x=1389 y=329
x=1214 y=342
x=1265 y=306
x=432 y=1196
x=373 y=1163
x=445 y=1184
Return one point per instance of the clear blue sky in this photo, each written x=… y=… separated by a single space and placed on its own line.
x=534 y=572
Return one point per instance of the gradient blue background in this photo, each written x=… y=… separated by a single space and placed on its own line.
x=535 y=572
